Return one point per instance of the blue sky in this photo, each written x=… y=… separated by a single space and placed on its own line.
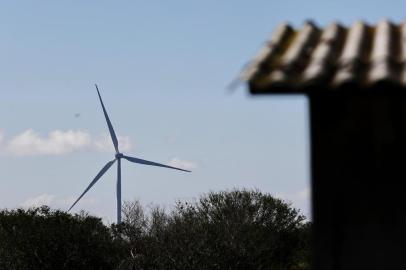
x=162 y=68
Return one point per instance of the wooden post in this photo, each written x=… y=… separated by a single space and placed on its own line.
x=358 y=153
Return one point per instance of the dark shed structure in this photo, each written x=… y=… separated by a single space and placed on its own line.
x=355 y=79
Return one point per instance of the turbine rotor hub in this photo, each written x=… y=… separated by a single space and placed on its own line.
x=119 y=155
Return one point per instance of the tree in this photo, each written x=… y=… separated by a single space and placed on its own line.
x=40 y=238
x=238 y=229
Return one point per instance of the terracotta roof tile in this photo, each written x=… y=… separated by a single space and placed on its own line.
x=310 y=58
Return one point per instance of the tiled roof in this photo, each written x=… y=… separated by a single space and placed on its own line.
x=314 y=59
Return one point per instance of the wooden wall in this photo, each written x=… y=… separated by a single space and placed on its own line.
x=358 y=152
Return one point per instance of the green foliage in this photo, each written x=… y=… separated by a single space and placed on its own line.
x=237 y=229
x=225 y=230
x=43 y=239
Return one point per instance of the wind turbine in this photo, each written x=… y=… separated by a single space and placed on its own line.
x=117 y=158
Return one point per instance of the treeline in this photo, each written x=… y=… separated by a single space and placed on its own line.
x=236 y=229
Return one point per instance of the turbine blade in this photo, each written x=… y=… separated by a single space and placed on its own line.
x=112 y=133
x=100 y=174
x=146 y=162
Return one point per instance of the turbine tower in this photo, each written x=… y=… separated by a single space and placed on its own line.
x=117 y=158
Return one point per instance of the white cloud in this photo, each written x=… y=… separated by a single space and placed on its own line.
x=298 y=196
x=183 y=164
x=56 y=201
x=43 y=199
x=300 y=199
x=303 y=194
x=105 y=144
x=58 y=142
x=1 y=137
x=68 y=201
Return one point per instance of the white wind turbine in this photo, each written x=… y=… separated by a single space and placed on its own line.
x=118 y=158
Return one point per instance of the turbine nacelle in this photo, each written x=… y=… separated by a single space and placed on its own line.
x=119 y=155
